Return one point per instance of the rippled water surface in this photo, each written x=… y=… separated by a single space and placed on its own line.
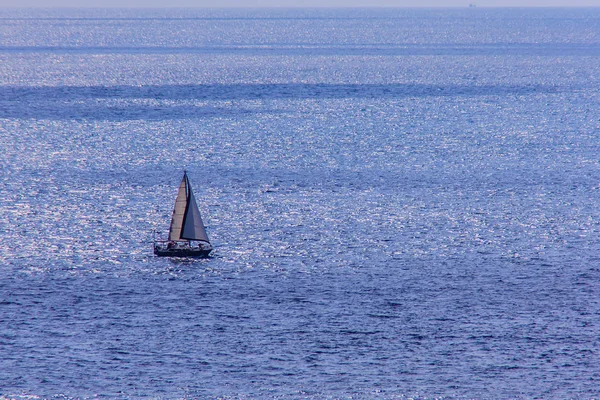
x=403 y=203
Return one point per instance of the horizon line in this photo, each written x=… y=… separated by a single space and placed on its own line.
x=225 y=7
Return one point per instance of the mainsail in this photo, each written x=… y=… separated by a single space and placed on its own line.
x=186 y=223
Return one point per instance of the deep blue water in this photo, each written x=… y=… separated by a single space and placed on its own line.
x=404 y=203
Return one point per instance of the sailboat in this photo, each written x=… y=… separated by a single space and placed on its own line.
x=187 y=235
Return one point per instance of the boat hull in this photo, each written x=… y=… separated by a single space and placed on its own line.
x=163 y=248
x=192 y=253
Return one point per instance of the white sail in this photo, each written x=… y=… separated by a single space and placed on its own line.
x=193 y=227
x=186 y=222
x=179 y=211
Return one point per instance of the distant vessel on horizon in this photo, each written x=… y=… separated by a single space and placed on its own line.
x=187 y=234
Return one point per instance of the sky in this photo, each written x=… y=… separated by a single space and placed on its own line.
x=298 y=3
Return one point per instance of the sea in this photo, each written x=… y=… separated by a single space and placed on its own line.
x=403 y=203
